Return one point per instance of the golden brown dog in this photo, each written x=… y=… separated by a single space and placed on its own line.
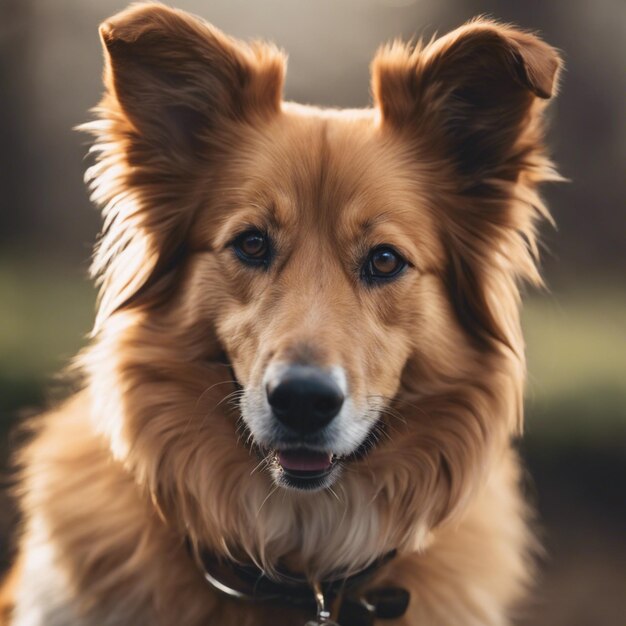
x=307 y=356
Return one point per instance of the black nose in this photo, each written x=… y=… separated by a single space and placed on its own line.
x=304 y=398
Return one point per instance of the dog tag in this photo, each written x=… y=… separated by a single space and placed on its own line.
x=323 y=619
x=323 y=614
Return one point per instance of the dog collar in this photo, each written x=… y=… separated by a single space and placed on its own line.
x=249 y=583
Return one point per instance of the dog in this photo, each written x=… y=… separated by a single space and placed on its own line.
x=306 y=372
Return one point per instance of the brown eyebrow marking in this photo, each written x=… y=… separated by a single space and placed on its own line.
x=269 y=213
x=367 y=224
x=370 y=223
x=273 y=209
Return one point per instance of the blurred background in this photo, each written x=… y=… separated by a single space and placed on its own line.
x=575 y=443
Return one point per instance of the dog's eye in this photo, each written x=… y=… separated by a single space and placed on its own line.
x=252 y=247
x=383 y=263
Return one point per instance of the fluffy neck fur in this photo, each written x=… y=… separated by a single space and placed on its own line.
x=203 y=480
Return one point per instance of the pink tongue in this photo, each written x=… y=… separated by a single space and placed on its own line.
x=305 y=460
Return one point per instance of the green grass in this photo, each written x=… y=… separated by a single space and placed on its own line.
x=46 y=311
x=576 y=344
x=576 y=341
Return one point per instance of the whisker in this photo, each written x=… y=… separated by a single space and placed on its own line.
x=222 y=382
x=267 y=497
x=231 y=396
x=387 y=408
x=334 y=493
x=264 y=461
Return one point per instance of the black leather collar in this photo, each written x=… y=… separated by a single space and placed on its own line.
x=248 y=583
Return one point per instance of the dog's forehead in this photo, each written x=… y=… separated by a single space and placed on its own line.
x=333 y=177
x=337 y=168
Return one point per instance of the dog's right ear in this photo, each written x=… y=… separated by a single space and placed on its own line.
x=176 y=78
x=178 y=93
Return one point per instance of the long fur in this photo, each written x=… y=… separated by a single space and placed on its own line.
x=193 y=142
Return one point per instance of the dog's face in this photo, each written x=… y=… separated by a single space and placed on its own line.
x=326 y=260
x=356 y=271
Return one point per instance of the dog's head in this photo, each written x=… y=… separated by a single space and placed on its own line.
x=348 y=277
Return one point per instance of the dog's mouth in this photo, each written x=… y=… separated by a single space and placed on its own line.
x=304 y=462
x=303 y=469
x=308 y=469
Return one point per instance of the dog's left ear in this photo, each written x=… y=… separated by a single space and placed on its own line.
x=472 y=90
x=470 y=105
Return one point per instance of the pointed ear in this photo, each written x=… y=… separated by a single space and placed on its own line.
x=474 y=88
x=178 y=96
x=175 y=77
